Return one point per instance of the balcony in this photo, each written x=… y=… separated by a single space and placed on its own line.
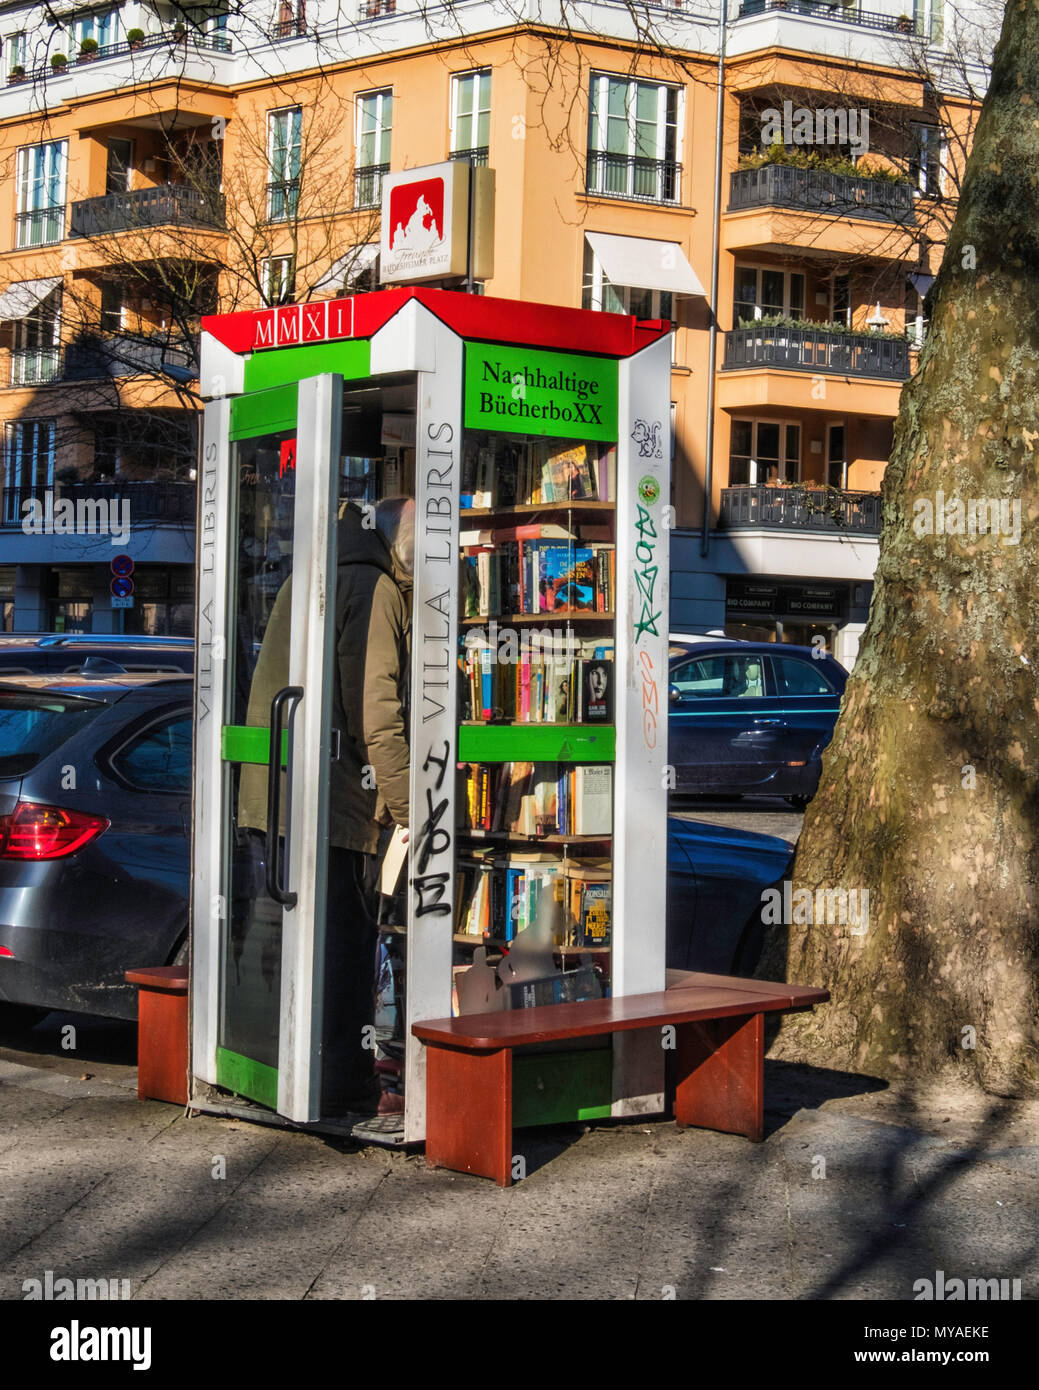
x=632 y=178
x=816 y=191
x=829 y=510
x=117 y=356
x=376 y=9
x=212 y=43
x=35 y=366
x=282 y=200
x=39 y=227
x=804 y=348
x=289 y=29
x=169 y=204
x=368 y=185
x=161 y=504
x=840 y=14
x=478 y=156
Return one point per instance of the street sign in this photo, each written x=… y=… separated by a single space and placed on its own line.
x=126 y=602
x=122 y=565
x=122 y=587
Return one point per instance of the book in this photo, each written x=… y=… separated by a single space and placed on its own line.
x=594 y=922
x=592 y=798
x=566 y=578
x=596 y=678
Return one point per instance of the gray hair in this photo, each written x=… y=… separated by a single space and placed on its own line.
x=395 y=523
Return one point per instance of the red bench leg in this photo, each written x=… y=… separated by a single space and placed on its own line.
x=469 y=1111
x=720 y=1075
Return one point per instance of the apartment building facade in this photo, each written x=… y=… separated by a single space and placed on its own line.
x=180 y=160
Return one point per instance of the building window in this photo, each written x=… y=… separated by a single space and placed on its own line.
x=925 y=159
x=279 y=279
x=471 y=115
x=764 y=293
x=840 y=300
x=29 y=462
x=100 y=25
x=599 y=293
x=7 y=583
x=836 y=456
x=764 y=451
x=17 y=50
x=119 y=158
x=40 y=193
x=284 y=148
x=372 y=158
x=35 y=349
x=633 y=140
x=290 y=19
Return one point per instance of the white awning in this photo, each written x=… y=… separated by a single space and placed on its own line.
x=642 y=264
x=20 y=299
x=356 y=261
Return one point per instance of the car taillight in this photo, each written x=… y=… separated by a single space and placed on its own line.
x=33 y=831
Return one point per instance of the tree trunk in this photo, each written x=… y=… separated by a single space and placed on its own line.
x=928 y=798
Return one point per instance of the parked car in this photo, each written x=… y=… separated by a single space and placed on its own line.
x=57 y=653
x=751 y=717
x=95 y=866
x=95 y=815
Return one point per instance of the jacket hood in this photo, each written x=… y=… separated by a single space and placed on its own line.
x=358 y=544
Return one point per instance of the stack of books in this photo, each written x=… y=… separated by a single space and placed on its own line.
x=499 y=472
x=537 y=799
x=498 y=897
x=546 y=684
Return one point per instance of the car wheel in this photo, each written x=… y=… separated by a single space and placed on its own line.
x=19 y=1018
x=799 y=803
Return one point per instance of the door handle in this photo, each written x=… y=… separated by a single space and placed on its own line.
x=275 y=887
x=777 y=723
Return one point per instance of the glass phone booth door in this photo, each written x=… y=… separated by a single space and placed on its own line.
x=261 y=795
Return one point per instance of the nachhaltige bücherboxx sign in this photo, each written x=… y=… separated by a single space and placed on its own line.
x=523 y=391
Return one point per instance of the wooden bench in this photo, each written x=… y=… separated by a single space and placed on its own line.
x=719 y=1054
x=162 y=1032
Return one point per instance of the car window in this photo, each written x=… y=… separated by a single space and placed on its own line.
x=33 y=725
x=796 y=677
x=720 y=677
x=159 y=758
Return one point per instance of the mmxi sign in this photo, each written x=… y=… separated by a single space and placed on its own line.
x=522 y=391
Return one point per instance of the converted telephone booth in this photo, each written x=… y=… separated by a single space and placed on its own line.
x=535 y=441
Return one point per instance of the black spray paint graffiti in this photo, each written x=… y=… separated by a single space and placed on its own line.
x=434 y=839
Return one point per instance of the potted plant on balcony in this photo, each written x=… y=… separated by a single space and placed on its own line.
x=904 y=24
x=17 y=73
x=88 y=51
x=180 y=32
x=59 y=62
x=135 y=37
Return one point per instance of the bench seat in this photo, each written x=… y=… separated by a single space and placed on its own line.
x=718 y=1047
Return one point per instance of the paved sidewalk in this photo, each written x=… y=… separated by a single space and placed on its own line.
x=94 y=1184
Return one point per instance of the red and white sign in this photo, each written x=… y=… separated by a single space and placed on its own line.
x=425 y=216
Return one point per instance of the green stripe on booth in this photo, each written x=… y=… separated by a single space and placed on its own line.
x=553 y=1088
x=264 y=412
x=351 y=359
x=246 y=1077
x=536 y=743
x=240 y=743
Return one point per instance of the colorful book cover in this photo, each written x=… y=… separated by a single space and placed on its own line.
x=594 y=926
x=597 y=679
x=566 y=578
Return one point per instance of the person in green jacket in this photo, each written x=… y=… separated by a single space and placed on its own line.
x=368 y=782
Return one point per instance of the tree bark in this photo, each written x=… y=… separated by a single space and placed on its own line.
x=929 y=798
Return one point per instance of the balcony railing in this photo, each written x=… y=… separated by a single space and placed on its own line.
x=814 y=190
x=799 y=509
x=212 y=43
x=34 y=366
x=632 y=177
x=170 y=204
x=113 y=355
x=828 y=9
x=368 y=185
x=376 y=9
x=808 y=349
x=160 y=503
x=289 y=29
x=39 y=227
x=478 y=155
x=282 y=200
